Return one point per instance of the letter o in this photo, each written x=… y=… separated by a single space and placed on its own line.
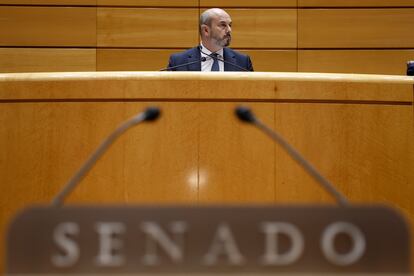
x=327 y=243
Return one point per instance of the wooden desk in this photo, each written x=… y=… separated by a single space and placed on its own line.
x=358 y=130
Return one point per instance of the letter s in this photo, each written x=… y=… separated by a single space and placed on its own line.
x=66 y=245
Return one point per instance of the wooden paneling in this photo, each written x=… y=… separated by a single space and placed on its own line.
x=248 y=3
x=154 y=59
x=228 y=151
x=120 y=27
x=360 y=147
x=263 y=28
x=158 y=172
x=198 y=152
x=135 y=175
x=141 y=34
x=356 y=3
x=45 y=143
x=47 y=26
x=347 y=144
x=240 y=86
x=149 y=3
x=392 y=62
x=338 y=91
x=49 y=2
x=355 y=28
x=46 y=60
x=133 y=59
x=273 y=60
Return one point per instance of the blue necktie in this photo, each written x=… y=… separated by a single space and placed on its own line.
x=215 y=66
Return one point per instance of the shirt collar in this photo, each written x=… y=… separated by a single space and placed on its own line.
x=208 y=52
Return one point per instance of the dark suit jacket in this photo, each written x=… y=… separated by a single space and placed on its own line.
x=193 y=55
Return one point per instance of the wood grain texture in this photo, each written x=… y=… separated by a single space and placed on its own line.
x=277 y=34
x=40 y=161
x=47 y=26
x=49 y=2
x=248 y=3
x=140 y=27
x=133 y=59
x=154 y=59
x=264 y=28
x=347 y=144
x=197 y=152
x=390 y=62
x=355 y=3
x=273 y=60
x=46 y=60
x=230 y=85
x=149 y=3
x=355 y=28
x=228 y=151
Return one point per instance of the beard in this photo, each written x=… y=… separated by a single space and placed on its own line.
x=222 y=41
x=227 y=40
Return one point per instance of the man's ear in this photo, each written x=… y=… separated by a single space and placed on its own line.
x=205 y=30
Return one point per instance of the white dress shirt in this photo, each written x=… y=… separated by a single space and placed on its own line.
x=206 y=65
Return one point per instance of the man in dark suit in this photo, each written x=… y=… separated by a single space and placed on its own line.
x=212 y=54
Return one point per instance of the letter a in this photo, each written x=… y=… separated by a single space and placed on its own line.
x=223 y=243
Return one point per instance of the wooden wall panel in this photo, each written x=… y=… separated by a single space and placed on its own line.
x=36 y=135
x=133 y=59
x=198 y=151
x=47 y=26
x=392 y=62
x=49 y=2
x=248 y=3
x=42 y=148
x=345 y=143
x=46 y=60
x=356 y=3
x=225 y=162
x=150 y=34
x=132 y=27
x=273 y=60
x=355 y=28
x=154 y=59
x=149 y=3
x=264 y=28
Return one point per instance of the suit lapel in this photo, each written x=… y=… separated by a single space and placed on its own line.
x=229 y=57
x=193 y=56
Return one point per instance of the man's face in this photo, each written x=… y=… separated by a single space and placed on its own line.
x=220 y=30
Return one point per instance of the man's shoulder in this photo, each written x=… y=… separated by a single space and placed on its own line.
x=242 y=60
x=234 y=53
